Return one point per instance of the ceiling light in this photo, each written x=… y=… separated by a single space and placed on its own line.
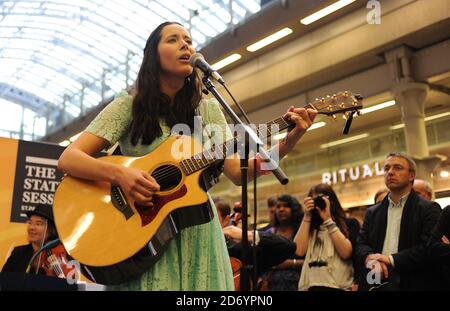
x=343 y=141
x=74 y=137
x=436 y=116
x=397 y=127
x=378 y=107
x=325 y=11
x=317 y=125
x=226 y=61
x=269 y=39
x=64 y=143
x=444 y=174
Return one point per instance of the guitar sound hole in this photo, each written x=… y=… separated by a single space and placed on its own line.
x=167 y=176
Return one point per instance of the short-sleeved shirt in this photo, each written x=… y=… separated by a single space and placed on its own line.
x=197 y=258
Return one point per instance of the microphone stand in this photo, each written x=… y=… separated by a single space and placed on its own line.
x=250 y=139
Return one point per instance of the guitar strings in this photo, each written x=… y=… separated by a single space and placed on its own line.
x=165 y=175
x=174 y=169
x=171 y=172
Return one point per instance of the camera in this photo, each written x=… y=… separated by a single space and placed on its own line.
x=319 y=202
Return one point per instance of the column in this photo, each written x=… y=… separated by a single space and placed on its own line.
x=410 y=96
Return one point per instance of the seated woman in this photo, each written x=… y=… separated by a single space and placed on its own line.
x=271 y=249
x=285 y=275
x=326 y=237
x=40 y=230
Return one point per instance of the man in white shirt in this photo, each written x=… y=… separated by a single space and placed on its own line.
x=395 y=232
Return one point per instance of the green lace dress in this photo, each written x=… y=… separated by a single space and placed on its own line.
x=197 y=258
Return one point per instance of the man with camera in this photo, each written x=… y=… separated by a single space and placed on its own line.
x=393 y=238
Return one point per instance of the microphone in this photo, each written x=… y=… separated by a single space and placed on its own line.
x=198 y=61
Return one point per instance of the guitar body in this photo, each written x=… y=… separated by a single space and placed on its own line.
x=133 y=267
x=98 y=230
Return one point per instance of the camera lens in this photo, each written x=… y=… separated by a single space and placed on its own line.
x=320 y=203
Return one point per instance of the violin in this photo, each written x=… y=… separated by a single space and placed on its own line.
x=54 y=262
x=236 y=267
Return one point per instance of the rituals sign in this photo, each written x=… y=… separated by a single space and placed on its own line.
x=351 y=174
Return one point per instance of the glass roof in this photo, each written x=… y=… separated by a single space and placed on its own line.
x=59 y=58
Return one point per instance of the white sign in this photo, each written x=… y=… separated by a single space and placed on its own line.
x=352 y=174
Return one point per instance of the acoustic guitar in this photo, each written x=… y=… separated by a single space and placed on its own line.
x=115 y=239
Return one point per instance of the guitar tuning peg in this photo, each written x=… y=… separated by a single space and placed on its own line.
x=334 y=117
x=334 y=96
x=342 y=105
x=354 y=103
x=346 y=94
x=330 y=108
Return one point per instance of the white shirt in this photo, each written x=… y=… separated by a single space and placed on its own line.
x=337 y=273
x=394 y=219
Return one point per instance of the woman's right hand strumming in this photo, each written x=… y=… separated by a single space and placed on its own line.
x=138 y=185
x=77 y=160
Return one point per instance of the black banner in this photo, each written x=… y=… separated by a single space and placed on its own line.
x=36 y=178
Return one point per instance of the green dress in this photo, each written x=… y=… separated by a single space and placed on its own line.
x=197 y=258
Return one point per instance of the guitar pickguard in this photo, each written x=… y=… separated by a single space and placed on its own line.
x=149 y=213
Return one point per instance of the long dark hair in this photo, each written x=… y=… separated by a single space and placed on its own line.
x=337 y=212
x=296 y=213
x=150 y=105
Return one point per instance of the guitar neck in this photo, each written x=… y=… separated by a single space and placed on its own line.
x=211 y=156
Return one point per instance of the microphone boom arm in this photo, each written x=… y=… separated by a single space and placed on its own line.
x=253 y=137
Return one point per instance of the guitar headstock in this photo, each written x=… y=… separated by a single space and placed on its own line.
x=342 y=102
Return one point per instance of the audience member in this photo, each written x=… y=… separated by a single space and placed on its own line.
x=285 y=276
x=326 y=237
x=423 y=188
x=271 y=249
x=395 y=232
x=380 y=195
x=271 y=207
x=439 y=249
